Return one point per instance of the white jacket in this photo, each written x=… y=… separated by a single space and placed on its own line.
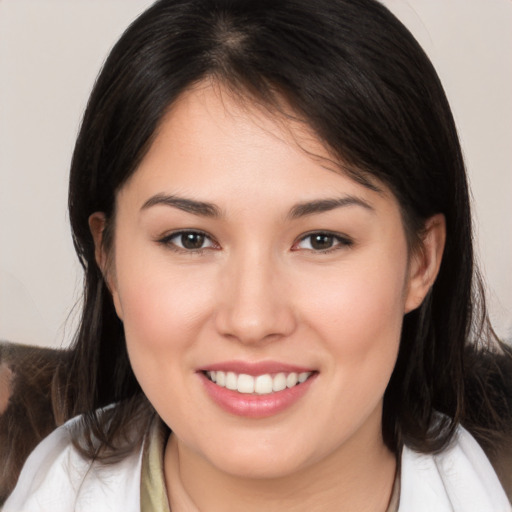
x=56 y=479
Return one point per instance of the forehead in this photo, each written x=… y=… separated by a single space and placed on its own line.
x=212 y=141
x=212 y=113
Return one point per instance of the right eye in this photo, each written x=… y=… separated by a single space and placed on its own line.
x=189 y=241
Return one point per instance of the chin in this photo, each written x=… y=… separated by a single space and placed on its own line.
x=260 y=458
x=260 y=468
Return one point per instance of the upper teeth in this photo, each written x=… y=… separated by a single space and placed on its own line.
x=261 y=385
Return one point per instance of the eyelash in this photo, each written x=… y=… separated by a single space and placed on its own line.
x=342 y=242
x=167 y=241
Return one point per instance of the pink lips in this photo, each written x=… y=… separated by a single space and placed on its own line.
x=253 y=405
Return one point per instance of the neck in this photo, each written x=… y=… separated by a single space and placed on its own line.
x=357 y=477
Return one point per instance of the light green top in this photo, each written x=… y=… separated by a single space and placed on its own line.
x=153 y=494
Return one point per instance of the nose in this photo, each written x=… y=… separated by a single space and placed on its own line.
x=255 y=306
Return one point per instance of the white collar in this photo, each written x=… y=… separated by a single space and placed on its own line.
x=458 y=479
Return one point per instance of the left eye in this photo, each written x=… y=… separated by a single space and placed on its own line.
x=189 y=240
x=322 y=242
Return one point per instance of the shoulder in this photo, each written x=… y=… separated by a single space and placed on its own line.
x=56 y=477
x=501 y=460
x=458 y=478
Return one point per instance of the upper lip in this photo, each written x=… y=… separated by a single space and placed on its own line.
x=255 y=368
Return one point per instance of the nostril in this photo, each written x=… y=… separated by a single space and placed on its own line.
x=256 y=323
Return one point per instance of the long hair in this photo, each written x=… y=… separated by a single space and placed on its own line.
x=353 y=73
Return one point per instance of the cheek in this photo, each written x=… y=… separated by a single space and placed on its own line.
x=359 y=322
x=163 y=310
x=358 y=313
x=153 y=312
x=362 y=306
x=158 y=300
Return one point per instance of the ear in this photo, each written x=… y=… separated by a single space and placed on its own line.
x=97 y=224
x=425 y=261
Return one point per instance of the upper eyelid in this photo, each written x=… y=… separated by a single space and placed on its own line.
x=334 y=234
x=343 y=240
x=177 y=232
x=169 y=236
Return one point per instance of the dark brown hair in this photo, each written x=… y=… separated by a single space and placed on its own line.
x=357 y=77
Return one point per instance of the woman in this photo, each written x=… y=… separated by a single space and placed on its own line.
x=270 y=205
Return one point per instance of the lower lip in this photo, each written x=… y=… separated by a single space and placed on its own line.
x=255 y=406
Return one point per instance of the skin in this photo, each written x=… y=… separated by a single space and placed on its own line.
x=259 y=291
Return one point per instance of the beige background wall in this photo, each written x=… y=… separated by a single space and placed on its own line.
x=50 y=53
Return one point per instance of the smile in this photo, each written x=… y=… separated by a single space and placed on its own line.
x=260 y=384
x=256 y=390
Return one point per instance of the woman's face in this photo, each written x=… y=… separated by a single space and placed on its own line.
x=242 y=256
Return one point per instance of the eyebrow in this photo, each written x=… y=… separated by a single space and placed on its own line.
x=325 y=205
x=201 y=208
x=205 y=209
